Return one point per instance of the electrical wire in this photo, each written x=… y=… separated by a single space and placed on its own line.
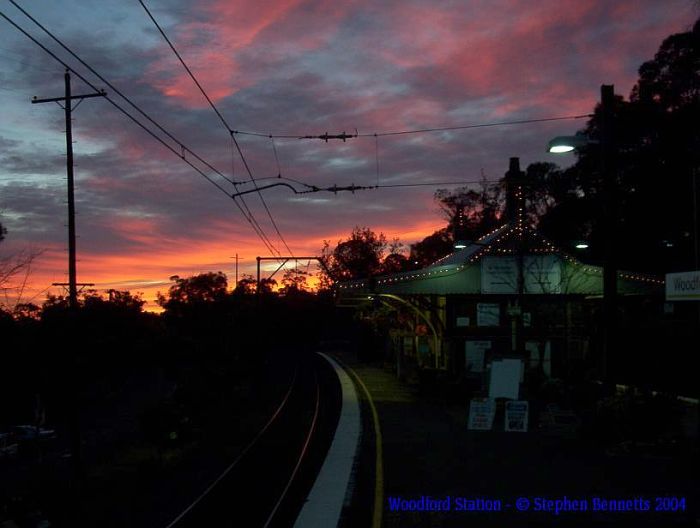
x=223 y=121
x=414 y=131
x=428 y=184
x=352 y=188
x=183 y=148
x=116 y=90
x=479 y=125
x=255 y=185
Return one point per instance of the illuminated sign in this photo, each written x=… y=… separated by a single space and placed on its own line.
x=683 y=286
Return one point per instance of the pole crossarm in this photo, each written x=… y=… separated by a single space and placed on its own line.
x=36 y=100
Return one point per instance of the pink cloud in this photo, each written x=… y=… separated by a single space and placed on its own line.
x=212 y=49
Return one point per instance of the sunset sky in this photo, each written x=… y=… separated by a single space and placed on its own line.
x=288 y=67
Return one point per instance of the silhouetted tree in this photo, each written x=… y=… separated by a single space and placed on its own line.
x=267 y=286
x=431 y=248
x=545 y=186
x=294 y=279
x=657 y=156
x=246 y=285
x=202 y=288
x=470 y=213
x=25 y=311
x=14 y=273
x=359 y=256
x=395 y=263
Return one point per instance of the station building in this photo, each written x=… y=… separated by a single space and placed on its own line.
x=512 y=293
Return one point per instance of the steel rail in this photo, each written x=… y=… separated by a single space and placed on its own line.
x=240 y=455
x=304 y=448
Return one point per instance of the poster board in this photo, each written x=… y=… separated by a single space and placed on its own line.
x=488 y=314
x=481 y=414
x=516 y=416
x=504 y=381
x=462 y=321
x=474 y=352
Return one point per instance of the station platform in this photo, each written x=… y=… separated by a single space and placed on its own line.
x=428 y=455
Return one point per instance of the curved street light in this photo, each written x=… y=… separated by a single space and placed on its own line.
x=561 y=144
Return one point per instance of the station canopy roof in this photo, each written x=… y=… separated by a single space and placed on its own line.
x=490 y=266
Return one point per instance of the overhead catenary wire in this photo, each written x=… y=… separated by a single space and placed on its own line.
x=114 y=89
x=183 y=148
x=352 y=188
x=255 y=185
x=345 y=136
x=277 y=159
x=221 y=118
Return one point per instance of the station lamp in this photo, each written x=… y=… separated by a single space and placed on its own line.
x=561 y=144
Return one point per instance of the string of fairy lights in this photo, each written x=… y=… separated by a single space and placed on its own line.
x=491 y=244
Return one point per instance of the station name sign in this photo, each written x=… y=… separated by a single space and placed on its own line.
x=683 y=286
x=541 y=274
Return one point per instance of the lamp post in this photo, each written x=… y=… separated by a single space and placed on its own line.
x=610 y=220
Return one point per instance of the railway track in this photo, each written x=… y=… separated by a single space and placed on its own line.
x=267 y=483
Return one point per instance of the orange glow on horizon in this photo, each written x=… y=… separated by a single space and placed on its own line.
x=148 y=273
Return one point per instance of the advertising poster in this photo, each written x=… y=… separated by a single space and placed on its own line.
x=516 y=416
x=481 y=414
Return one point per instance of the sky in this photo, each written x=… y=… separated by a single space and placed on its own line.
x=286 y=67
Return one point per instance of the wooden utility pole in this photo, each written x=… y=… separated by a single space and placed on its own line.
x=609 y=177
x=237 y=259
x=68 y=108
